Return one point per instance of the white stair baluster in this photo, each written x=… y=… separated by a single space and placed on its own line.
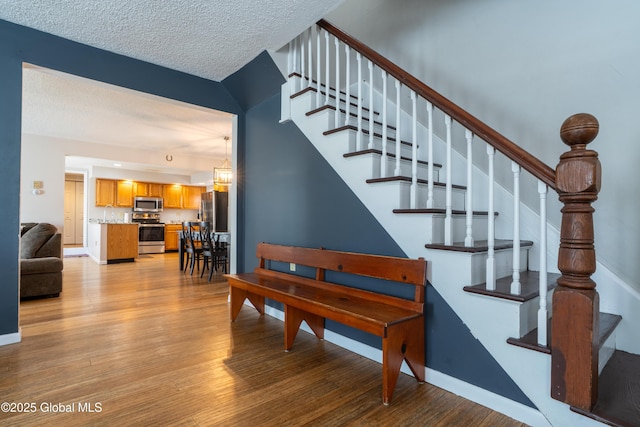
x=397 y=172
x=347 y=84
x=295 y=64
x=292 y=88
x=468 y=240
x=383 y=159
x=491 y=263
x=371 y=118
x=302 y=60
x=543 y=285
x=337 y=114
x=327 y=69
x=414 y=150
x=310 y=56
x=318 y=67
x=430 y=148
x=448 y=220
x=516 y=287
x=359 y=133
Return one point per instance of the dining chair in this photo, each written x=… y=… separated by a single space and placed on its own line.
x=222 y=254
x=192 y=244
x=214 y=253
x=208 y=249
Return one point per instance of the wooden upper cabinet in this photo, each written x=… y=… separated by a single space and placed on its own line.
x=124 y=194
x=191 y=197
x=147 y=189
x=105 y=192
x=140 y=189
x=172 y=195
x=120 y=193
x=155 y=190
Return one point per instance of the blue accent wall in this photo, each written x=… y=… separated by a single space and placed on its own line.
x=292 y=196
x=20 y=44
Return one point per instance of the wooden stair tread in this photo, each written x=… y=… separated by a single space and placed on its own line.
x=439 y=211
x=376 y=151
x=529 y=281
x=607 y=325
x=618 y=401
x=322 y=86
x=408 y=179
x=364 y=131
x=478 y=246
x=352 y=114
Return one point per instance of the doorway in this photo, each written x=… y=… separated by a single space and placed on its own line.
x=74 y=212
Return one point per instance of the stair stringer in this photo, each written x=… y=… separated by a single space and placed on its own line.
x=491 y=333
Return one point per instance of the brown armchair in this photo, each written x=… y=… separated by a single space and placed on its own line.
x=40 y=261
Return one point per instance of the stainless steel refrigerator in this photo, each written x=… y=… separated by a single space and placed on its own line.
x=215 y=209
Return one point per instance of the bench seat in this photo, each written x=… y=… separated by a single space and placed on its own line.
x=398 y=321
x=370 y=316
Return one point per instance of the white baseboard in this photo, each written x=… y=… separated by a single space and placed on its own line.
x=13 y=338
x=508 y=407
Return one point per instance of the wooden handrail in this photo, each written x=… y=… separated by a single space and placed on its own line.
x=532 y=164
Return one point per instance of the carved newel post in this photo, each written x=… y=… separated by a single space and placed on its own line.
x=574 y=331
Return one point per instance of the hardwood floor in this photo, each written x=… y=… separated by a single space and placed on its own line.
x=144 y=344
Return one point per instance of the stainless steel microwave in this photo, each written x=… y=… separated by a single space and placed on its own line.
x=147 y=204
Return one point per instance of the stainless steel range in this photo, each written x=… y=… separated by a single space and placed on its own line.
x=150 y=232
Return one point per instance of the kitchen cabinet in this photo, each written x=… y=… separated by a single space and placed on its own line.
x=124 y=194
x=147 y=189
x=155 y=190
x=191 y=197
x=122 y=242
x=105 y=192
x=140 y=189
x=113 y=192
x=120 y=193
x=112 y=243
x=172 y=195
x=171 y=237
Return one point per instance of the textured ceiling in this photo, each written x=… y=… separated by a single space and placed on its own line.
x=206 y=38
x=210 y=39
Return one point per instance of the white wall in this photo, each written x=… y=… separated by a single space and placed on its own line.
x=42 y=162
x=43 y=159
x=523 y=68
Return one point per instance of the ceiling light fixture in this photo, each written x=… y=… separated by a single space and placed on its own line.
x=223 y=175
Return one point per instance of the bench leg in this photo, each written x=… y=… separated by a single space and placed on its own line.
x=404 y=341
x=237 y=297
x=293 y=318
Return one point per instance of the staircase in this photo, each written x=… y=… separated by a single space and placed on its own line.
x=444 y=185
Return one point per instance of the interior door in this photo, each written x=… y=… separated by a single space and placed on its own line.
x=79 y=222
x=69 y=236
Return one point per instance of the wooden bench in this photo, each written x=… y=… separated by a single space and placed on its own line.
x=398 y=321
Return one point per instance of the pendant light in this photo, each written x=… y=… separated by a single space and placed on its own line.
x=222 y=175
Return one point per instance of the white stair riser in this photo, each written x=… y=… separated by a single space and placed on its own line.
x=430 y=227
x=529 y=313
x=390 y=165
x=459 y=228
x=606 y=351
x=503 y=263
x=401 y=191
x=405 y=150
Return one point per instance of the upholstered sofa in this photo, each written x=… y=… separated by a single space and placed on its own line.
x=40 y=260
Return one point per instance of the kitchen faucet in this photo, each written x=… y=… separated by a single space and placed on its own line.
x=104 y=213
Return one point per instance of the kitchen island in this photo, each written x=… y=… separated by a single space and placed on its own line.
x=111 y=243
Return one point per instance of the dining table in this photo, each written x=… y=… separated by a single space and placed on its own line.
x=221 y=236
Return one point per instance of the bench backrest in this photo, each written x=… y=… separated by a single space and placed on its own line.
x=401 y=270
